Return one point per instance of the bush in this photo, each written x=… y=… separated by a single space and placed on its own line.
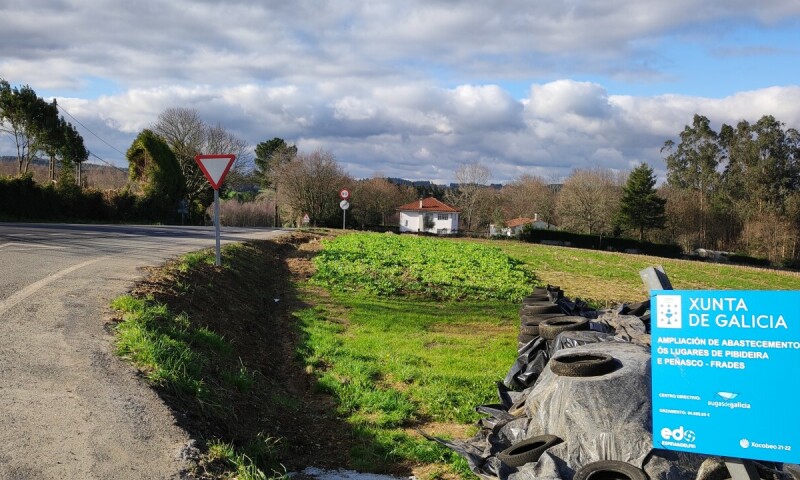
x=746 y=260
x=23 y=199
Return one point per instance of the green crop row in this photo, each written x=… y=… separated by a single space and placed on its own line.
x=400 y=265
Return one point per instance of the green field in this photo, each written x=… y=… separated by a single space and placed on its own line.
x=608 y=277
x=405 y=334
x=405 y=357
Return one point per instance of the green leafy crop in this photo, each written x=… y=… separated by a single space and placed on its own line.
x=406 y=265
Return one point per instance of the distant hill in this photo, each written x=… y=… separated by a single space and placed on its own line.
x=36 y=161
x=414 y=183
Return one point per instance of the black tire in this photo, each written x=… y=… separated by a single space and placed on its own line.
x=536 y=300
x=537 y=318
x=550 y=328
x=583 y=364
x=527 y=329
x=528 y=450
x=534 y=309
x=609 y=470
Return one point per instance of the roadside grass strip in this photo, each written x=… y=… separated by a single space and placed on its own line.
x=165 y=348
x=195 y=364
x=406 y=265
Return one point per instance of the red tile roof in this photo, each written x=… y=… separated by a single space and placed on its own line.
x=516 y=222
x=429 y=204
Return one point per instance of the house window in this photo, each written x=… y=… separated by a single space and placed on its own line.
x=443 y=216
x=405 y=222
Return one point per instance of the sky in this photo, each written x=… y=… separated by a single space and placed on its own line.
x=415 y=88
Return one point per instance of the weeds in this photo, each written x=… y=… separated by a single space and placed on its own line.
x=164 y=346
x=191 y=260
x=251 y=461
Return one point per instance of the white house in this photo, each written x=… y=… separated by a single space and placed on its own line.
x=514 y=226
x=428 y=215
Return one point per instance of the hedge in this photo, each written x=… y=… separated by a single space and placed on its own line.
x=597 y=242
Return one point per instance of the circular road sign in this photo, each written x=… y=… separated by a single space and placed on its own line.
x=344 y=194
x=344 y=204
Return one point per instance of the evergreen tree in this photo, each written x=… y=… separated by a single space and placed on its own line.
x=270 y=155
x=640 y=207
x=154 y=166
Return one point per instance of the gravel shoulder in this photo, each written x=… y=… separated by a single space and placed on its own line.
x=70 y=408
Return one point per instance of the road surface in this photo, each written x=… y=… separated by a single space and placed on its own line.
x=68 y=407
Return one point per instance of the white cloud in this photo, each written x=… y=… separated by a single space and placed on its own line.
x=418 y=132
x=410 y=89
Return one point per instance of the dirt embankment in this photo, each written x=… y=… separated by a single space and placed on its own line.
x=249 y=302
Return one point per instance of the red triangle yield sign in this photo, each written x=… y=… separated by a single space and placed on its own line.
x=215 y=167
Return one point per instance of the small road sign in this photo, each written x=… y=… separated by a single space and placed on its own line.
x=306 y=219
x=344 y=194
x=215 y=167
x=344 y=204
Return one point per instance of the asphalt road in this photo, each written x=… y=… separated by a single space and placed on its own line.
x=68 y=407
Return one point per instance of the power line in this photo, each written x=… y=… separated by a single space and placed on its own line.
x=107 y=163
x=90 y=131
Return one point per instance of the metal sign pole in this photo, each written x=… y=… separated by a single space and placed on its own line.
x=216 y=225
x=344 y=217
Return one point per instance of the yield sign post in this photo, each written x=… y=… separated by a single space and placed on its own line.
x=215 y=168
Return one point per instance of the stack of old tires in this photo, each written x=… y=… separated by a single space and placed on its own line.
x=544 y=314
x=576 y=403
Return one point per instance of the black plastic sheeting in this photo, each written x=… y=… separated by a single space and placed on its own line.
x=601 y=417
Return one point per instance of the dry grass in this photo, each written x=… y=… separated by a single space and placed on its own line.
x=248 y=214
x=97 y=177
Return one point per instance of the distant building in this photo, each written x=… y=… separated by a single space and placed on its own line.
x=428 y=215
x=514 y=226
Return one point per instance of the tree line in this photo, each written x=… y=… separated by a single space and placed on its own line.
x=736 y=189
x=36 y=128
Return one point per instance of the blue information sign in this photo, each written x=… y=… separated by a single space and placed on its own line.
x=725 y=373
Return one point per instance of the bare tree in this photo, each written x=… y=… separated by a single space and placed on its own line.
x=470 y=196
x=529 y=196
x=309 y=184
x=375 y=200
x=588 y=200
x=187 y=136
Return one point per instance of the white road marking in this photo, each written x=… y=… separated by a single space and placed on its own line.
x=30 y=245
x=26 y=292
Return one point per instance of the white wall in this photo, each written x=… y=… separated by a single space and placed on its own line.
x=413 y=222
x=410 y=221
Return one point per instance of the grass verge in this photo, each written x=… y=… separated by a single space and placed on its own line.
x=210 y=340
x=396 y=366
